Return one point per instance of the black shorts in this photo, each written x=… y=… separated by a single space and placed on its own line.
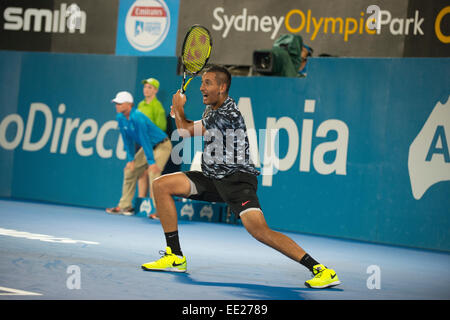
x=238 y=190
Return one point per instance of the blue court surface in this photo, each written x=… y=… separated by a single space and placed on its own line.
x=60 y=252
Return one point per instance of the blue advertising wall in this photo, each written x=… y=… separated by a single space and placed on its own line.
x=85 y=85
x=363 y=143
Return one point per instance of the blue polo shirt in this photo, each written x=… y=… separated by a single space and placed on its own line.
x=141 y=130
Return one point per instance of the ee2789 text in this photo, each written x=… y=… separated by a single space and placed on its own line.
x=246 y=309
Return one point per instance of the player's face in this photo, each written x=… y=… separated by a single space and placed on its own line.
x=210 y=89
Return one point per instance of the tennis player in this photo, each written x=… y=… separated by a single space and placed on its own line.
x=227 y=176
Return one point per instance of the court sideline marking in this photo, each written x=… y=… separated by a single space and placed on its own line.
x=41 y=237
x=17 y=292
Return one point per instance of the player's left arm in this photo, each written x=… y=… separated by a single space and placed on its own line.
x=186 y=128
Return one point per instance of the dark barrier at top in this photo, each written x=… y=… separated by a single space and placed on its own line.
x=125 y=27
x=81 y=26
x=408 y=28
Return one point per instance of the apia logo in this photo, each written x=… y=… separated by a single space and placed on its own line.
x=207 y=211
x=147 y=24
x=429 y=157
x=146 y=206
x=187 y=210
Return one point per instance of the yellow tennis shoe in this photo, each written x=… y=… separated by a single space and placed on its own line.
x=324 y=278
x=168 y=262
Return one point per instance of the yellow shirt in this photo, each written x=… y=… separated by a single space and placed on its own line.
x=155 y=111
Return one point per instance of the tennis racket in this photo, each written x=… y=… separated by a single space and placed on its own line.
x=195 y=54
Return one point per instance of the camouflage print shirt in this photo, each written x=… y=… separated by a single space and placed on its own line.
x=226 y=148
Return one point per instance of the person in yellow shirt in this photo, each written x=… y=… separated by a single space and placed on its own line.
x=154 y=110
x=151 y=106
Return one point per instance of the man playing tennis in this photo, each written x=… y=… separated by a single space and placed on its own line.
x=226 y=177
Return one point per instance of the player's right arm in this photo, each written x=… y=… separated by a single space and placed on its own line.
x=186 y=128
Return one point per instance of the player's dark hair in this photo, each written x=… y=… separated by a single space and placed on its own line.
x=222 y=74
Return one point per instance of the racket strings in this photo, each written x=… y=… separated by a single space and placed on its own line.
x=197 y=49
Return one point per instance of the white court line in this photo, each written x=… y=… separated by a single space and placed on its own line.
x=17 y=292
x=41 y=237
